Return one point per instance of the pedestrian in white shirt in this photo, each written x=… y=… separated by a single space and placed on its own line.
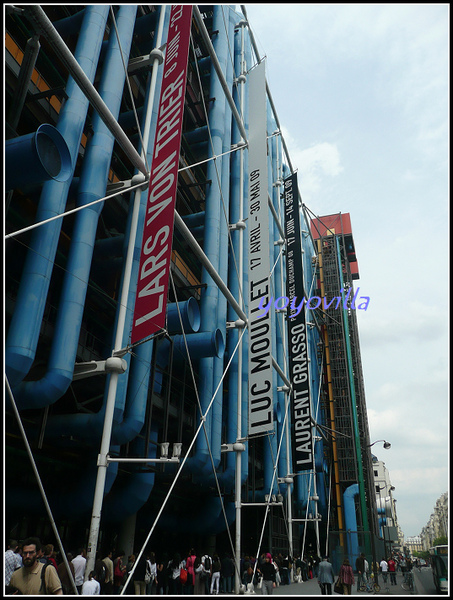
x=384 y=569
x=91 y=587
x=79 y=563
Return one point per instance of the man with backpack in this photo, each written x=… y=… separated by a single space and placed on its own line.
x=35 y=578
x=206 y=561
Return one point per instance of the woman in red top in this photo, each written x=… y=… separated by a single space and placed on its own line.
x=190 y=564
x=392 y=570
x=346 y=576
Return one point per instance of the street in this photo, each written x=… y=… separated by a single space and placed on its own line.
x=424 y=586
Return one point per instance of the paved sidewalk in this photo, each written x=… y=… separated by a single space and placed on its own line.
x=311 y=588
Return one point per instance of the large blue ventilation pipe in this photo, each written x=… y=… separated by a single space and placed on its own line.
x=26 y=321
x=92 y=186
x=128 y=420
x=183 y=316
x=200 y=463
x=37 y=157
x=209 y=518
x=127 y=498
x=350 y=519
x=79 y=497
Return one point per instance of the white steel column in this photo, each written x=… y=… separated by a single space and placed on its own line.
x=241 y=81
x=113 y=383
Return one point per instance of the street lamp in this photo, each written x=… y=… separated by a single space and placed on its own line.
x=387 y=445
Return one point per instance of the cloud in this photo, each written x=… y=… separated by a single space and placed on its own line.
x=317 y=165
x=408 y=321
x=363 y=90
x=408 y=479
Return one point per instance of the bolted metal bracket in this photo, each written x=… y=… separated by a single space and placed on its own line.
x=236 y=447
x=121 y=186
x=239 y=324
x=143 y=62
x=114 y=364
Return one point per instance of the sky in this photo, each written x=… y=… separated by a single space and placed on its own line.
x=362 y=95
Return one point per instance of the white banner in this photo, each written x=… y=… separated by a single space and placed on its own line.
x=260 y=345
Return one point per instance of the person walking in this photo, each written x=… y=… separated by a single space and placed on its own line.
x=174 y=581
x=326 y=576
x=384 y=569
x=119 y=569
x=67 y=579
x=268 y=571
x=346 y=577
x=226 y=573
x=29 y=579
x=215 y=574
x=190 y=566
x=79 y=563
x=108 y=562
x=49 y=555
x=199 y=588
x=360 y=568
x=13 y=560
x=392 y=570
x=151 y=585
x=206 y=561
x=91 y=587
x=162 y=574
x=139 y=576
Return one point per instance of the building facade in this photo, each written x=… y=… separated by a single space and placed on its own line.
x=414 y=544
x=437 y=525
x=144 y=432
x=344 y=395
x=386 y=507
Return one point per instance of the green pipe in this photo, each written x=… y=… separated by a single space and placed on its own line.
x=353 y=403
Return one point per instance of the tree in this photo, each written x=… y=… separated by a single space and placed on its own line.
x=441 y=541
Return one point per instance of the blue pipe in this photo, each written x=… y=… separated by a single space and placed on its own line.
x=69 y=25
x=79 y=497
x=200 y=345
x=223 y=242
x=200 y=463
x=188 y=311
x=129 y=497
x=92 y=186
x=194 y=220
x=209 y=518
x=25 y=325
x=84 y=426
x=226 y=478
x=201 y=134
x=37 y=157
x=107 y=248
x=350 y=518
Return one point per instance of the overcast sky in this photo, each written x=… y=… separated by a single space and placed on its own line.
x=362 y=95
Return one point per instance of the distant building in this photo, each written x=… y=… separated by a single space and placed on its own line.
x=386 y=507
x=414 y=544
x=437 y=525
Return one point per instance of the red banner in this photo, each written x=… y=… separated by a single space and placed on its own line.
x=155 y=258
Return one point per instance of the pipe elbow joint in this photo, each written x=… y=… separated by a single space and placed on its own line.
x=37 y=157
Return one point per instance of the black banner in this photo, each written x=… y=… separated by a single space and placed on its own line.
x=301 y=429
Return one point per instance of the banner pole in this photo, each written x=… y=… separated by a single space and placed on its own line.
x=113 y=382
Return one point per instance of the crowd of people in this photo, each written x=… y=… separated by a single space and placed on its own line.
x=32 y=568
